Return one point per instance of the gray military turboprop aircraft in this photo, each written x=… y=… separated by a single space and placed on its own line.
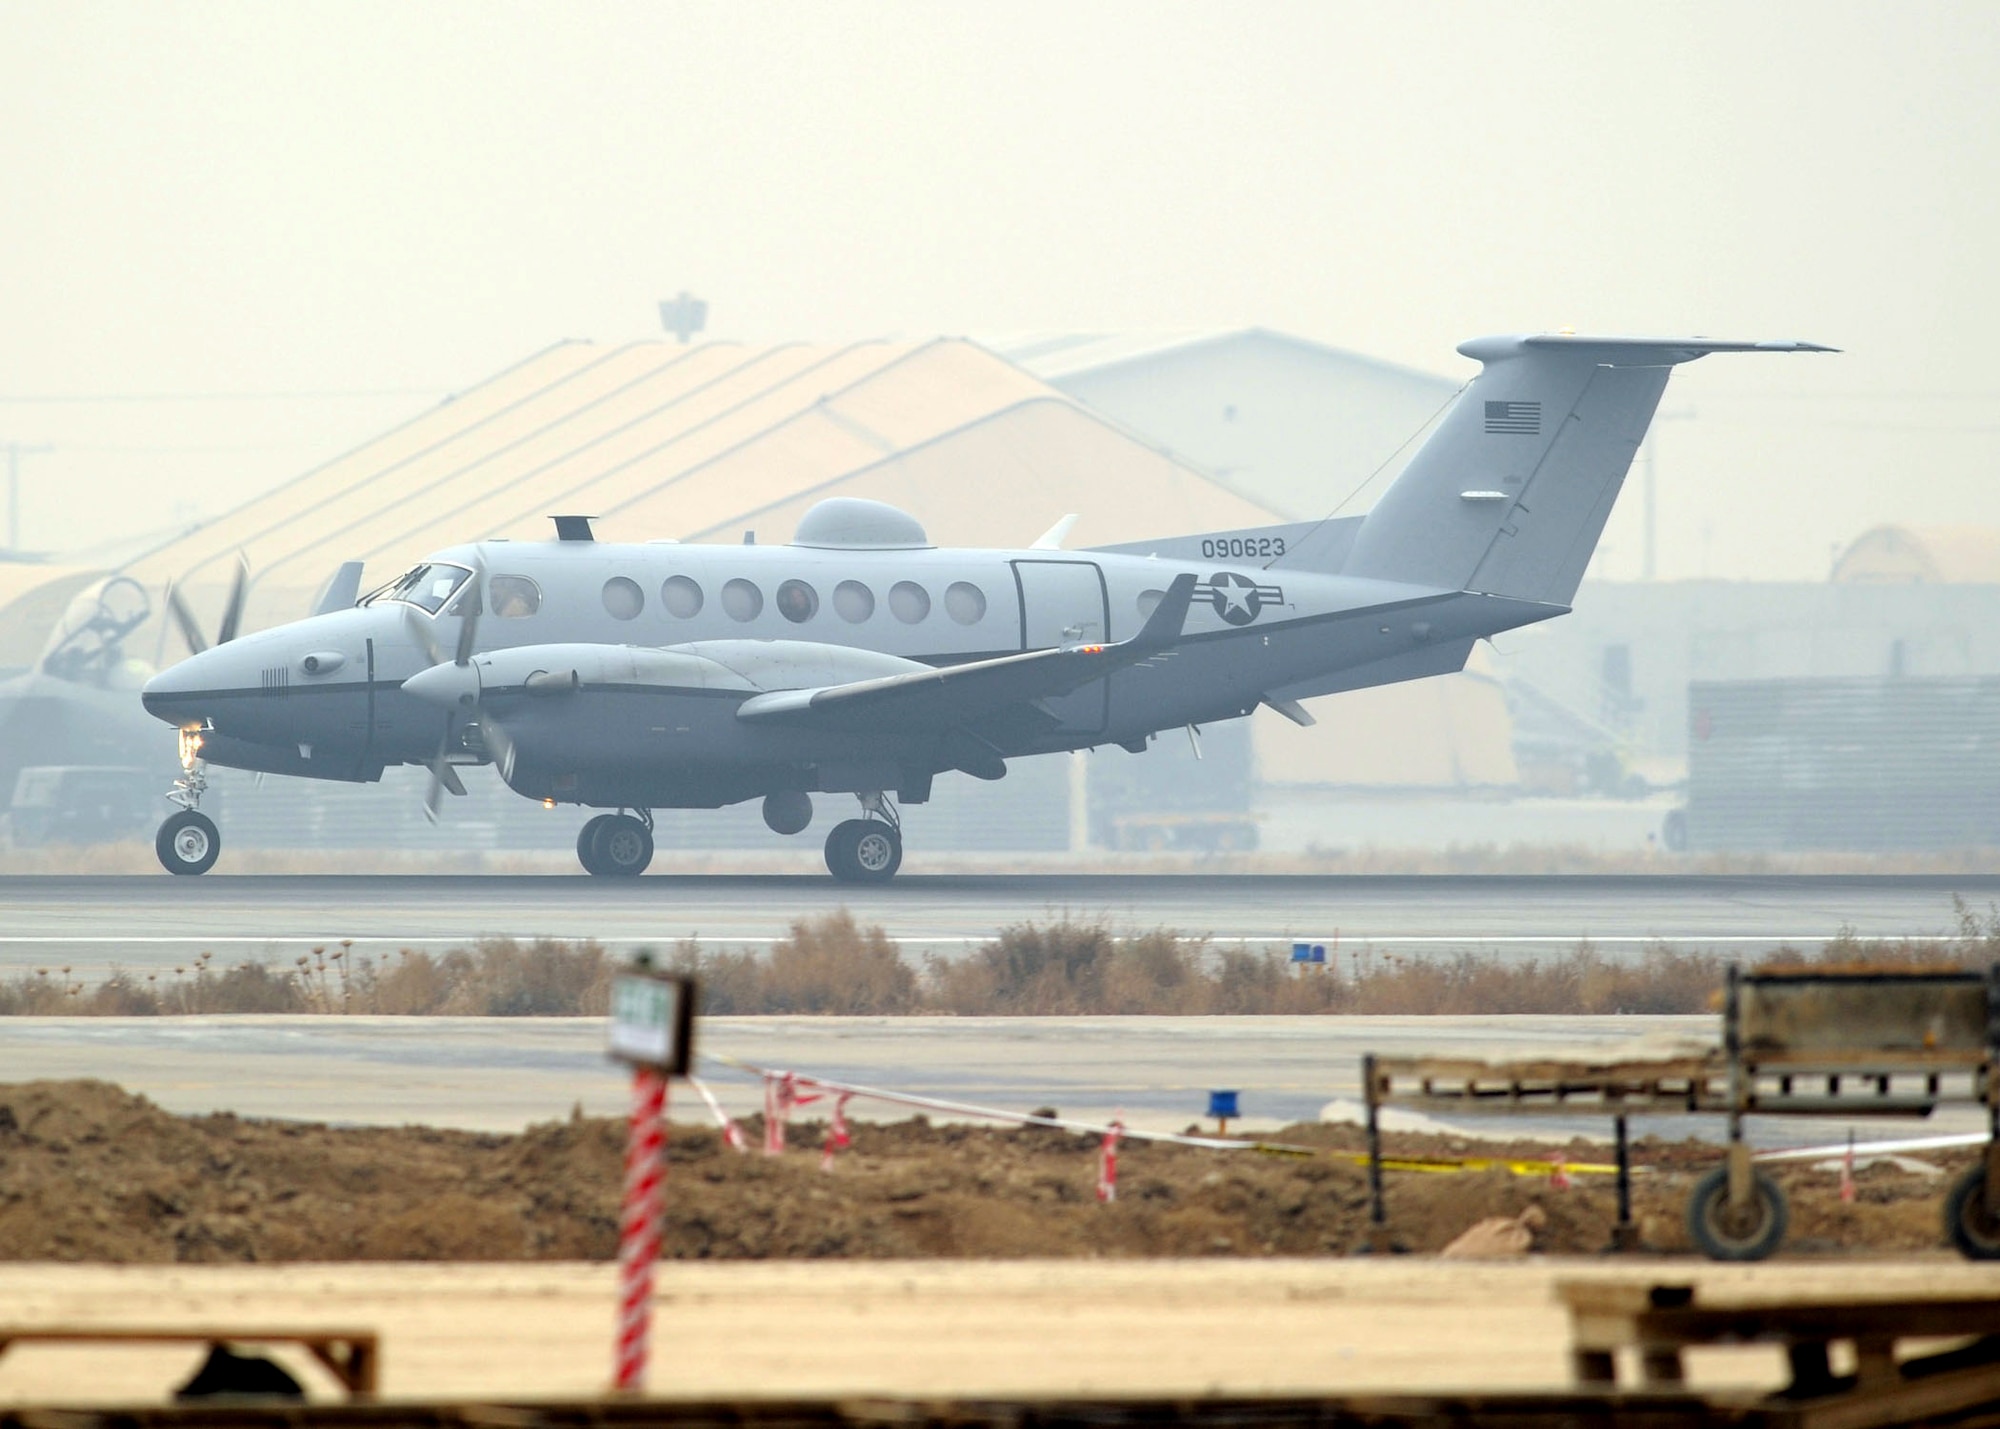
x=862 y=660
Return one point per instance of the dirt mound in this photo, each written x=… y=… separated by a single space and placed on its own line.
x=88 y=1172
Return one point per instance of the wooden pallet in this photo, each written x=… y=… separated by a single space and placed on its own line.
x=352 y=1356
x=1656 y=1324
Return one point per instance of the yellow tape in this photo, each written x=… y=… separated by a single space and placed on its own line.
x=1443 y=1165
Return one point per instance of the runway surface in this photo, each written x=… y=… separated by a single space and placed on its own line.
x=153 y=922
x=503 y=1073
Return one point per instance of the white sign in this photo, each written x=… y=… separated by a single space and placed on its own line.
x=648 y=1021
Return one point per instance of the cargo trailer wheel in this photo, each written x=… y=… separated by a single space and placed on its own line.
x=1968 y=1223
x=188 y=843
x=1750 y=1234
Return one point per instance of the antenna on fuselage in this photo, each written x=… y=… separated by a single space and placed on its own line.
x=573 y=528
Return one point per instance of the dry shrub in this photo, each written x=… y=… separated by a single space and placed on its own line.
x=833 y=966
x=1069 y=968
x=1030 y=970
x=1580 y=981
x=1975 y=944
x=544 y=978
x=828 y=965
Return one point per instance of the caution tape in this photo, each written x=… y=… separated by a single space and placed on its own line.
x=785 y=1089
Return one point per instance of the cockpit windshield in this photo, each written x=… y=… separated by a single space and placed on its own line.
x=427 y=587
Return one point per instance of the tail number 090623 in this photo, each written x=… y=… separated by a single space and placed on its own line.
x=1241 y=547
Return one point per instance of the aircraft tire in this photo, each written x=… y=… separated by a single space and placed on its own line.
x=864 y=851
x=622 y=848
x=840 y=851
x=586 y=844
x=188 y=843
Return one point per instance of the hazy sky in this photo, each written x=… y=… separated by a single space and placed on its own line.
x=398 y=199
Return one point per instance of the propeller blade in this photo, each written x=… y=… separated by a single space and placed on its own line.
x=434 y=795
x=443 y=776
x=232 y=613
x=420 y=631
x=468 y=624
x=499 y=746
x=184 y=618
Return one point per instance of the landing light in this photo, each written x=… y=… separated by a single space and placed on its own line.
x=548 y=803
x=190 y=744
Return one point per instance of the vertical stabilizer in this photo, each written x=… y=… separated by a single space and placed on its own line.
x=1510 y=494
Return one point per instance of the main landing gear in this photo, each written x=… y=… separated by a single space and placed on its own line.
x=188 y=842
x=868 y=849
x=616 y=845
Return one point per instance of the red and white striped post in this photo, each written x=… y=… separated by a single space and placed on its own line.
x=639 y=1225
x=1107 y=1164
x=652 y=1030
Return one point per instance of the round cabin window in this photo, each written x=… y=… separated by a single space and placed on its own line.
x=909 y=602
x=623 y=598
x=965 y=602
x=742 y=600
x=853 y=601
x=797 y=602
x=681 y=596
x=1149 y=601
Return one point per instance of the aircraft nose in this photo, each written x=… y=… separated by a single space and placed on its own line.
x=182 y=692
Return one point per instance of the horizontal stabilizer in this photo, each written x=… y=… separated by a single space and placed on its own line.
x=964 y=694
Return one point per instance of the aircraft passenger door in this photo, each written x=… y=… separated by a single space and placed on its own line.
x=1065 y=602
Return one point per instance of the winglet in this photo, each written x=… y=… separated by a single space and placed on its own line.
x=1169 y=617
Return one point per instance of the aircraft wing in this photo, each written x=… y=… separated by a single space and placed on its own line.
x=957 y=695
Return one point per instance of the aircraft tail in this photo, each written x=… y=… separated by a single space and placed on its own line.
x=1510 y=494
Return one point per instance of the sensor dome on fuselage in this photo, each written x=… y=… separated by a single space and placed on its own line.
x=853 y=523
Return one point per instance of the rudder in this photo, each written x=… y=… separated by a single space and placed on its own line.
x=1511 y=493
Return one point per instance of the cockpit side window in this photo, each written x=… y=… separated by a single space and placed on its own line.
x=513 y=597
x=427 y=586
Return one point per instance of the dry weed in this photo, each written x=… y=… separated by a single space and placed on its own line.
x=1065 y=967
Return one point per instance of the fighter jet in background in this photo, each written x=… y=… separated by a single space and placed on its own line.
x=860 y=659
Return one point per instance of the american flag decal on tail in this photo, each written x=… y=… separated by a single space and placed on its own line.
x=1514 y=419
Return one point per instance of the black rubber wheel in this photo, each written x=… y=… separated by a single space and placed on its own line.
x=623 y=847
x=878 y=852
x=188 y=843
x=1968 y=1224
x=864 y=851
x=840 y=850
x=586 y=843
x=1722 y=1236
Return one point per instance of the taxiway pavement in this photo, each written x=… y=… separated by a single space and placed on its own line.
x=159 y=922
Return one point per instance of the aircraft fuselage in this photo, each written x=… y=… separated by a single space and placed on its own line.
x=324 y=697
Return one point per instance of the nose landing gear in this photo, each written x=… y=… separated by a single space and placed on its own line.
x=868 y=849
x=616 y=845
x=188 y=842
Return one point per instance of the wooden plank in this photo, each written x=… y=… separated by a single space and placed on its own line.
x=353 y=1357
